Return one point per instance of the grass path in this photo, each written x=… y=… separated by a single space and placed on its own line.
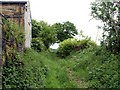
x=80 y=83
x=59 y=75
x=51 y=80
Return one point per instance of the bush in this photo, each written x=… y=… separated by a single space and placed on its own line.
x=66 y=47
x=85 y=43
x=101 y=67
x=25 y=72
x=104 y=71
x=37 y=44
x=71 y=44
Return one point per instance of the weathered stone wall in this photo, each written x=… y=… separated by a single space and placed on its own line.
x=0 y=48
x=28 y=25
x=14 y=12
x=20 y=14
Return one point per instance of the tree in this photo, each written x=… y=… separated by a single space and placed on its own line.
x=51 y=34
x=36 y=29
x=65 y=30
x=43 y=31
x=109 y=14
x=47 y=34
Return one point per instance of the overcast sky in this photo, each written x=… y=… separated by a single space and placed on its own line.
x=75 y=11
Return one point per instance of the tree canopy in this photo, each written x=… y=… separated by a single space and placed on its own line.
x=44 y=31
x=109 y=14
x=65 y=30
x=55 y=33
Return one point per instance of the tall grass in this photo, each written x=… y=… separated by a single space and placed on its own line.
x=92 y=67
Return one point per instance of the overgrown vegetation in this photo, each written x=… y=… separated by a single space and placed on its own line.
x=38 y=45
x=99 y=67
x=83 y=64
x=109 y=14
x=72 y=45
x=13 y=40
x=51 y=34
x=28 y=74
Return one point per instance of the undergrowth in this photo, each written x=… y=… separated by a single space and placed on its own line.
x=89 y=68
x=97 y=66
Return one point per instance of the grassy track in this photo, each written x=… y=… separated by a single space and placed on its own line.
x=60 y=73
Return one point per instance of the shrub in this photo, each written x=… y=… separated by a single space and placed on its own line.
x=66 y=47
x=104 y=72
x=71 y=44
x=85 y=43
x=25 y=72
x=102 y=67
x=37 y=44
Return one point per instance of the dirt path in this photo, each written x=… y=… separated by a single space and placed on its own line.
x=76 y=80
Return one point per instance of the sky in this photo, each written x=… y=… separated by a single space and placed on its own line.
x=75 y=11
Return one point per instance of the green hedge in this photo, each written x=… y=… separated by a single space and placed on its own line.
x=66 y=47
x=72 y=44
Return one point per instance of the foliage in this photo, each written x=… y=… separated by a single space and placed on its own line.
x=36 y=29
x=44 y=31
x=48 y=35
x=109 y=14
x=105 y=74
x=94 y=66
x=64 y=79
x=13 y=39
x=57 y=76
x=72 y=44
x=37 y=44
x=65 y=30
x=66 y=47
x=51 y=34
x=100 y=68
x=104 y=71
x=27 y=71
x=85 y=43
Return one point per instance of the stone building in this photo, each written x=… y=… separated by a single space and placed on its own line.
x=18 y=12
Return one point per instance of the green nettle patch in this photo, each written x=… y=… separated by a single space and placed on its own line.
x=97 y=66
x=30 y=72
x=104 y=72
x=17 y=73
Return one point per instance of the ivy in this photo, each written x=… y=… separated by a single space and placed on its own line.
x=13 y=38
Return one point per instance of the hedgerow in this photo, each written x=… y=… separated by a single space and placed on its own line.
x=72 y=44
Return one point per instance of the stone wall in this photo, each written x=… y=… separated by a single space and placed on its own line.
x=14 y=12
x=19 y=12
